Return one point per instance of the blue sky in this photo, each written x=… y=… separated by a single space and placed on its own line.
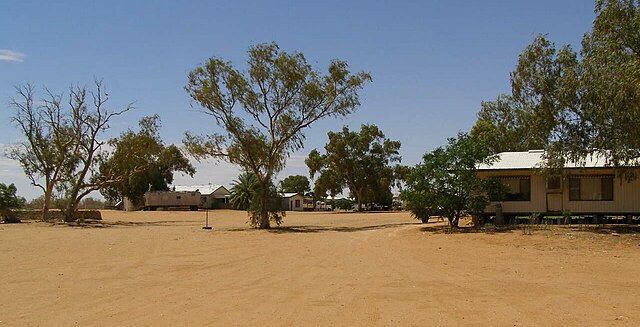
x=432 y=62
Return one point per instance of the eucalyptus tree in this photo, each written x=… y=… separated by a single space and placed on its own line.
x=542 y=104
x=265 y=110
x=142 y=162
x=361 y=161
x=46 y=151
x=63 y=146
x=47 y=148
x=90 y=117
x=575 y=105
x=295 y=183
x=610 y=112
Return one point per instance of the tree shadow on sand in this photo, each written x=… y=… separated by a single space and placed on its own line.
x=109 y=224
x=445 y=229
x=343 y=229
x=607 y=229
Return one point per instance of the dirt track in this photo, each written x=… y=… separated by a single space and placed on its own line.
x=161 y=268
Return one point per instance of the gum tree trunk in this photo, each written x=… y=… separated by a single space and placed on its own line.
x=264 y=210
x=47 y=204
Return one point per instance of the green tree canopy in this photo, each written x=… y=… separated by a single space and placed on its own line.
x=343 y=204
x=445 y=182
x=265 y=110
x=295 y=183
x=610 y=97
x=246 y=195
x=361 y=161
x=143 y=162
x=574 y=106
x=8 y=197
x=243 y=190
x=543 y=96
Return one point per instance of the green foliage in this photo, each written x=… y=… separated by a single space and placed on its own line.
x=265 y=200
x=566 y=214
x=610 y=101
x=8 y=197
x=246 y=194
x=325 y=184
x=418 y=202
x=575 y=106
x=265 y=110
x=501 y=126
x=400 y=174
x=295 y=184
x=243 y=190
x=543 y=96
x=360 y=161
x=344 y=204
x=141 y=162
x=445 y=182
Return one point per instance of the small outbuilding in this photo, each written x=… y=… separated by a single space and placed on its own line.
x=292 y=201
x=171 y=200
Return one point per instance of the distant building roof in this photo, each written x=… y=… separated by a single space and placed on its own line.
x=203 y=189
x=289 y=195
x=532 y=159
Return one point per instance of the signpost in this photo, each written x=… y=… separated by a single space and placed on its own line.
x=206 y=224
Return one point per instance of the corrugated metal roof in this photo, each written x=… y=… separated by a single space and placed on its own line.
x=288 y=195
x=203 y=189
x=532 y=159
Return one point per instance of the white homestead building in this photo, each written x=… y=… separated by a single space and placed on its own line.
x=591 y=189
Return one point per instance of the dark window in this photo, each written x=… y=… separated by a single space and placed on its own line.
x=607 y=188
x=554 y=183
x=515 y=189
x=297 y=203
x=574 y=189
x=591 y=188
x=178 y=197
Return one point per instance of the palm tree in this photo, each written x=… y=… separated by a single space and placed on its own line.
x=243 y=190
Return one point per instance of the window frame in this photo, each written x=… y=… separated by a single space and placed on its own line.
x=578 y=187
x=512 y=197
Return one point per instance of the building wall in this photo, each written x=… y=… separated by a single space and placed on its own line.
x=289 y=204
x=626 y=195
x=212 y=201
x=216 y=200
x=172 y=199
x=222 y=191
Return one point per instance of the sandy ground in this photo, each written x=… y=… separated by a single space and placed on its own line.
x=385 y=269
